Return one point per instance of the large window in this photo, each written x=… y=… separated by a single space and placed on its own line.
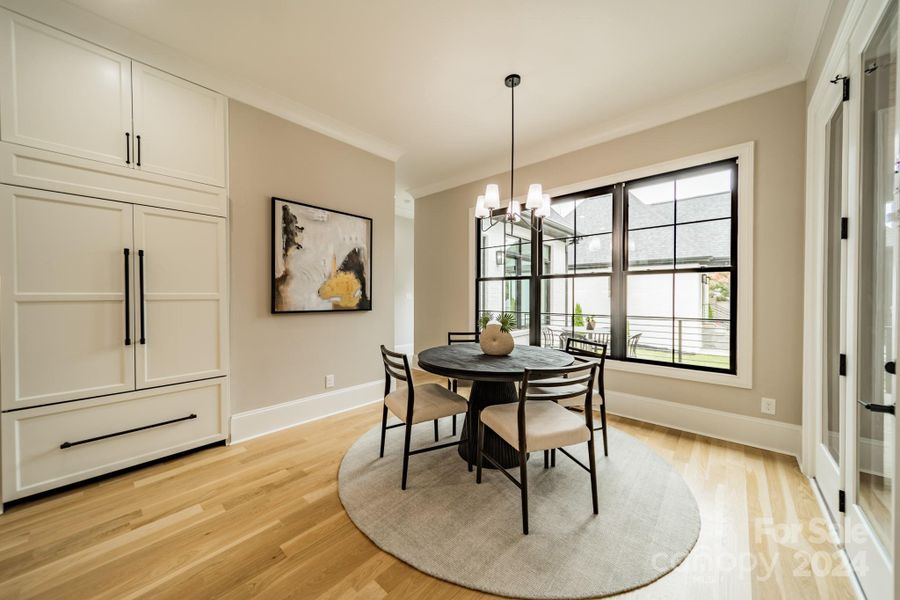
x=647 y=266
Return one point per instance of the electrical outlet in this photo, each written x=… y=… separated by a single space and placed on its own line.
x=768 y=406
x=329 y=381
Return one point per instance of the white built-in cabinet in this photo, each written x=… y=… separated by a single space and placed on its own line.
x=181 y=288
x=63 y=94
x=179 y=127
x=65 y=297
x=113 y=260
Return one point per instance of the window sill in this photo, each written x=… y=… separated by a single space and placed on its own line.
x=741 y=379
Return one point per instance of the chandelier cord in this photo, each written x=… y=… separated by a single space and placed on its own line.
x=512 y=154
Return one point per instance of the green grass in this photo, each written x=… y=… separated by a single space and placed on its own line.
x=703 y=360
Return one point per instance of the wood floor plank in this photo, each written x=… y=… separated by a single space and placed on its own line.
x=263 y=519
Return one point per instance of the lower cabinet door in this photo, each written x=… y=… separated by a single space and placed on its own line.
x=51 y=446
x=181 y=287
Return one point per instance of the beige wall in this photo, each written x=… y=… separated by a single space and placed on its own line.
x=776 y=122
x=277 y=358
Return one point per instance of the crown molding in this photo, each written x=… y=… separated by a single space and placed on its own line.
x=97 y=30
x=672 y=109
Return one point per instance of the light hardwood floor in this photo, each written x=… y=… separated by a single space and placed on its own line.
x=263 y=518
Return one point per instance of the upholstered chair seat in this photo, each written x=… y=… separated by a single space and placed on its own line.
x=433 y=401
x=547 y=424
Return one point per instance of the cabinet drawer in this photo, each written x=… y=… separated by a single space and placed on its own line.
x=51 y=446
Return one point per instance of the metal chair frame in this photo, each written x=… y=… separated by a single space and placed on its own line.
x=581 y=373
x=396 y=366
x=456 y=337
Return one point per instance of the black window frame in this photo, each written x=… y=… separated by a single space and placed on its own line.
x=619 y=272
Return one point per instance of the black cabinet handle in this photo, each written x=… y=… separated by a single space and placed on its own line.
x=138 y=138
x=143 y=339
x=890 y=367
x=878 y=408
x=65 y=445
x=127 y=297
x=127 y=148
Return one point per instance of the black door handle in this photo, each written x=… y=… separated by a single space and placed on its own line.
x=138 y=138
x=878 y=408
x=127 y=298
x=890 y=367
x=127 y=148
x=143 y=339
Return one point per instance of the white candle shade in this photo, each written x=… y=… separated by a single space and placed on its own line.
x=535 y=196
x=481 y=211
x=492 y=196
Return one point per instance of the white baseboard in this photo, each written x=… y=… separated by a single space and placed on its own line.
x=750 y=431
x=261 y=421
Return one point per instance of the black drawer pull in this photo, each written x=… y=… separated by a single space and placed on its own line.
x=878 y=408
x=127 y=148
x=890 y=367
x=138 y=138
x=65 y=445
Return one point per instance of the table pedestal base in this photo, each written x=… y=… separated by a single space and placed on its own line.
x=484 y=394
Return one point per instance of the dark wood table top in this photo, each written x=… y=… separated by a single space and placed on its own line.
x=467 y=361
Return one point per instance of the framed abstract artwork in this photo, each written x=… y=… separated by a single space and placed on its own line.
x=321 y=259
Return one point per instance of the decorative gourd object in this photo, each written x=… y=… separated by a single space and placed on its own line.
x=496 y=334
x=495 y=341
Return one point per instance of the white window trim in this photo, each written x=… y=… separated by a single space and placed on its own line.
x=744 y=154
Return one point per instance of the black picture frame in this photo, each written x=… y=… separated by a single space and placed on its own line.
x=274 y=242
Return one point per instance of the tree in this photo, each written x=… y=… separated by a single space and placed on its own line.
x=579 y=320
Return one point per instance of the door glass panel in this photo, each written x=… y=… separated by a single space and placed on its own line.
x=878 y=247
x=832 y=398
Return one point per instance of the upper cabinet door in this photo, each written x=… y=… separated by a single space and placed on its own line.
x=180 y=306
x=60 y=93
x=179 y=127
x=65 y=298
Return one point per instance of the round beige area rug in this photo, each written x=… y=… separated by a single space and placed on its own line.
x=446 y=525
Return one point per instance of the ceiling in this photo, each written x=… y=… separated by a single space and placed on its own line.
x=422 y=81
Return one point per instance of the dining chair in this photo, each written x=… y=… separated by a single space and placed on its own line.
x=633 y=344
x=547 y=334
x=537 y=422
x=414 y=404
x=457 y=337
x=590 y=351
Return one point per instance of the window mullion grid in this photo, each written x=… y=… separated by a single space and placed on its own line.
x=674 y=255
x=619 y=274
x=618 y=318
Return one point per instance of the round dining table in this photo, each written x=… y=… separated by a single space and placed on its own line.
x=493 y=382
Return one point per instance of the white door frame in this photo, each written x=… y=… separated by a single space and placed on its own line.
x=829 y=475
x=859 y=23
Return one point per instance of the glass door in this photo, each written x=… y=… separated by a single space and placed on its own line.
x=869 y=520
x=830 y=419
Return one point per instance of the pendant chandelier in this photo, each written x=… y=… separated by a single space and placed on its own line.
x=536 y=201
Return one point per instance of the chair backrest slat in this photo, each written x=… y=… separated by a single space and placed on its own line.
x=460 y=337
x=558 y=383
x=588 y=350
x=396 y=365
